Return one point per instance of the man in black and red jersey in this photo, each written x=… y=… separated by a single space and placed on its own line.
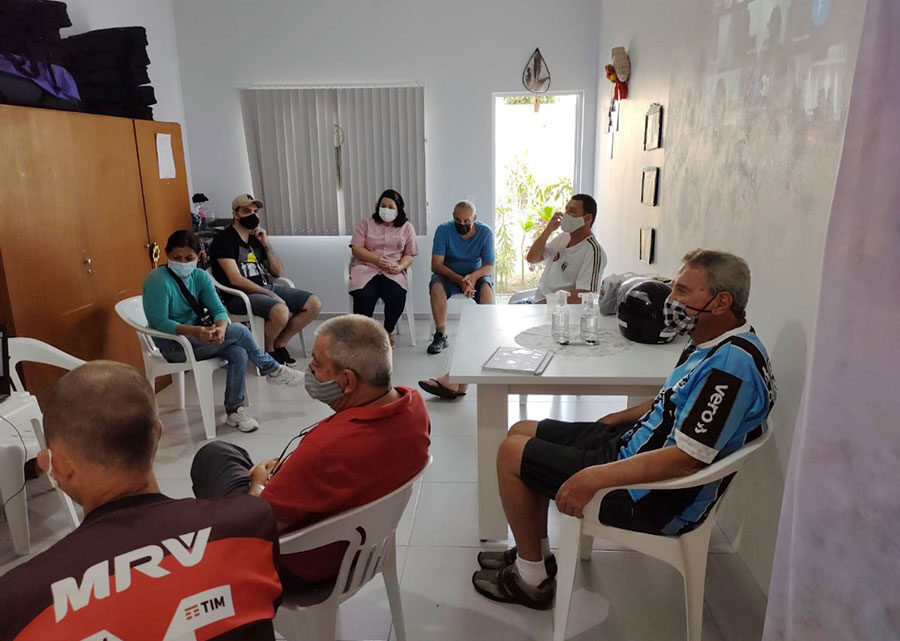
x=141 y=565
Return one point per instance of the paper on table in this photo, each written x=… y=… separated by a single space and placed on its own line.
x=518 y=359
x=164 y=156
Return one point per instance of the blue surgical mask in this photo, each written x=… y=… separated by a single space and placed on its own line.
x=326 y=391
x=183 y=270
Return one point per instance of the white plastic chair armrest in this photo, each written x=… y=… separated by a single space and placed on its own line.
x=712 y=472
x=182 y=340
x=283 y=280
x=234 y=292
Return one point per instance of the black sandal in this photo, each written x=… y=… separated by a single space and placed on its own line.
x=440 y=390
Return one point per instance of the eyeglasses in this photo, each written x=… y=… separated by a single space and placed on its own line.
x=285 y=455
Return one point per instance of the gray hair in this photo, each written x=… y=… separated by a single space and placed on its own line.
x=725 y=273
x=360 y=344
x=465 y=203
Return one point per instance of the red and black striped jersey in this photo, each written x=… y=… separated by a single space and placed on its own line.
x=150 y=567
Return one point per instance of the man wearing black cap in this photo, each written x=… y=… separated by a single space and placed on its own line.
x=242 y=257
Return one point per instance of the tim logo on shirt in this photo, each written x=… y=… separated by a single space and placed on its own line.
x=200 y=610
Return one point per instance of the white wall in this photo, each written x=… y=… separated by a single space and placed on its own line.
x=744 y=169
x=462 y=51
x=157 y=17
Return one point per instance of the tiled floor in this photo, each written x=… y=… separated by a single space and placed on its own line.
x=619 y=595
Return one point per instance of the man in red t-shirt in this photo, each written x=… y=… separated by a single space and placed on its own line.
x=376 y=441
x=140 y=565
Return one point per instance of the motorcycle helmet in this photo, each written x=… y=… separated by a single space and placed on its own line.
x=640 y=311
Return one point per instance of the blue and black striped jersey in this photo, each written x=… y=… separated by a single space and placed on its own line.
x=715 y=400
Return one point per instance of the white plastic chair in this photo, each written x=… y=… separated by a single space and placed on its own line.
x=131 y=310
x=370 y=530
x=30 y=350
x=410 y=315
x=257 y=323
x=525 y=294
x=687 y=553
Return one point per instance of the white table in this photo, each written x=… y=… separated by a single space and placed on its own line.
x=22 y=411
x=637 y=372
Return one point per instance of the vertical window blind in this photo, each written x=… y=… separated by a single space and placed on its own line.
x=319 y=157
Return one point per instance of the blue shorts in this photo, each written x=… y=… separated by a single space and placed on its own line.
x=452 y=288
x=295 y=299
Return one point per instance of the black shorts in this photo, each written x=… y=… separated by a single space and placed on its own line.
x=559 y=449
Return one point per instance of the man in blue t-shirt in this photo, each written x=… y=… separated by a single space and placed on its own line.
x=716 y=400
x=462 y=259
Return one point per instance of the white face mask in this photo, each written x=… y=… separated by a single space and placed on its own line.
x=387 y=214
x=571 y=223
x=50 y=467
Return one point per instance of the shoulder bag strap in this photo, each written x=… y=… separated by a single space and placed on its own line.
x=199 y=310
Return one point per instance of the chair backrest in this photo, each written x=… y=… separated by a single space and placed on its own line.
x=369 y=530
x=131 y=310
x=31 y=350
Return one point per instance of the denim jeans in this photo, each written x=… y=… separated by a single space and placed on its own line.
x=236 y=349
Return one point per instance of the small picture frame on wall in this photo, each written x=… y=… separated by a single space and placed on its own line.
x=647 y=248
x=653 y=127
x=650 y=186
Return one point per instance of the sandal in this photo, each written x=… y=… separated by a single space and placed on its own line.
x=505 y=586
x=440 y=390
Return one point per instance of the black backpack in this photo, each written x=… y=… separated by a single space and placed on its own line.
x=32 y=57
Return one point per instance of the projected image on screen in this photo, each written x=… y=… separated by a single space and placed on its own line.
x=777 y=53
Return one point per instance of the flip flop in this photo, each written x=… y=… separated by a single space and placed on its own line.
x=440 y=390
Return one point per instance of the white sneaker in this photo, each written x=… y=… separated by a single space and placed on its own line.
x=242 y=420
x=285 y=375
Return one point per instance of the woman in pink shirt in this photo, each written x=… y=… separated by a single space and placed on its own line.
x=383 y=247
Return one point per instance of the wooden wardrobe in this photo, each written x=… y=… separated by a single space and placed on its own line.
x=81 y=205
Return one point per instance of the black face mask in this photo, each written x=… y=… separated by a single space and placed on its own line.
x=250 y=222
x=463 y=229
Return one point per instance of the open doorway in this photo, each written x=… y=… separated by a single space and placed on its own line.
x=537 y=168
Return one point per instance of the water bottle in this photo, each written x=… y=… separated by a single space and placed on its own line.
x=590 y=318
x=559 y=325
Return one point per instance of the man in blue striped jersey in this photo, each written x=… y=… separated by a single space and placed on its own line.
x=715 y=400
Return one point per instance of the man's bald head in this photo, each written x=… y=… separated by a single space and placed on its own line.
x=105 y=413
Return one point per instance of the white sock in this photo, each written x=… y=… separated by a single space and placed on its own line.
x=545 y=547
x=531 y=572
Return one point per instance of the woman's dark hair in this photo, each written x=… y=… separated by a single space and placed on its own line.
x=397 y=198
x=182 y=238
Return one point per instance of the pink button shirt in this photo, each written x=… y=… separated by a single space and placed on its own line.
x=388 y=241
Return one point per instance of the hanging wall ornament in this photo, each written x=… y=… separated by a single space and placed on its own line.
x=619 y=72
x=338 y=134
x=536 y=75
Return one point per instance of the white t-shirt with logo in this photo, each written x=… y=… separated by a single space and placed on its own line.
x=579 y=267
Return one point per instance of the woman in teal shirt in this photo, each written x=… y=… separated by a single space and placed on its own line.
x=167 y=310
